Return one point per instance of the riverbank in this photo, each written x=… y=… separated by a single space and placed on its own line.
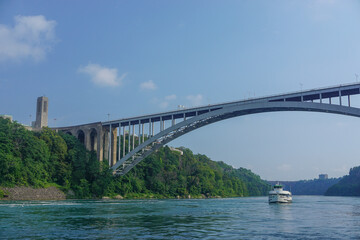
x=29 y=193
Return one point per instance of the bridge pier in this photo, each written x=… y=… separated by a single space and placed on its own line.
x=129 y=138
x=143 y=135
x=100 y=149
x=106 y=143
x=340 y=97
x=113 y=146
x=124 y=136
x=133 y=137
x=139 y=139
x=91 y=135
x=87 y=142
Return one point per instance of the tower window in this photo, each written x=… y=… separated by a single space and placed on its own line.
x=45 y=106
x=38 y=107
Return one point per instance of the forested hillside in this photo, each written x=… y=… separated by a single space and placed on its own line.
x=308 y=187
x=349 y=185
x=47 y=158
x=170 y=174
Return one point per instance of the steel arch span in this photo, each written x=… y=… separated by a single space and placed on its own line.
x=140 y=152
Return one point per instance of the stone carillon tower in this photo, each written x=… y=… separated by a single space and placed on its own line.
x=42 y=112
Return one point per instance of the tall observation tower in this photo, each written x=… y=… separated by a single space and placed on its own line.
x=42 y=112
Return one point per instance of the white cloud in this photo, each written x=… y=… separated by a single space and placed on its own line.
x=170 y=97
x=164 y=102
x=103 y=76
x=149 y=85
x=31 y=37
x=195 y=100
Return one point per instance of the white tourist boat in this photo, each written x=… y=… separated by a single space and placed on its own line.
x=278 y=195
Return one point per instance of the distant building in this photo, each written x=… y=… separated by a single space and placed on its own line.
x=42 y=112
x=41 y=115
x=7 y=117
x=323 y=176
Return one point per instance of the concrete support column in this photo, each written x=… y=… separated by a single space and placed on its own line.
x=129 y=149
x=133 y=137
x=320 y=98
x=172 y=120
x=162 y=125
x=73 y=132
x=113 y=146
x=119 y=148
x=152 y=129
x=340 y=97
x=100 y=145
x=143 y=135
x=349 y=100
x=87 y=140
x=106 y=143
x=139 y=142
x=124 y=136
x=184 y=117
x=95 y=143
x=330 y=100
x=110 y=145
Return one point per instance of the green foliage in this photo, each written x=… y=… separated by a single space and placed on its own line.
x=86 y=177
x=46 y=158
x=24 y=158
x=168 y=174
x=349 y=185
x=2 y=193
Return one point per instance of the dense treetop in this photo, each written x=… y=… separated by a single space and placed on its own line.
x=349 y=185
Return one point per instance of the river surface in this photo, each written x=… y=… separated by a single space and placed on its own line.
x=308 y=217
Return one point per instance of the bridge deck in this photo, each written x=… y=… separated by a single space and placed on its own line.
x=300 y=96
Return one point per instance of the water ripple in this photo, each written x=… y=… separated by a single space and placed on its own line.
x=308 y=217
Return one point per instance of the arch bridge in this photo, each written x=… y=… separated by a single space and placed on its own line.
x=142 y=135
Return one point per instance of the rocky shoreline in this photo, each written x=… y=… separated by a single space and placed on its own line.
x=53 y=193
x=28 y=193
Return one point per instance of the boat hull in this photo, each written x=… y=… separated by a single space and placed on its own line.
x=277 y=198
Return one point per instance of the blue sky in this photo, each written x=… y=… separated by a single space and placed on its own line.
x=129 y=58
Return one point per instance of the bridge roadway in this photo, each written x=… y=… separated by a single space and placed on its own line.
x=143 y=137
